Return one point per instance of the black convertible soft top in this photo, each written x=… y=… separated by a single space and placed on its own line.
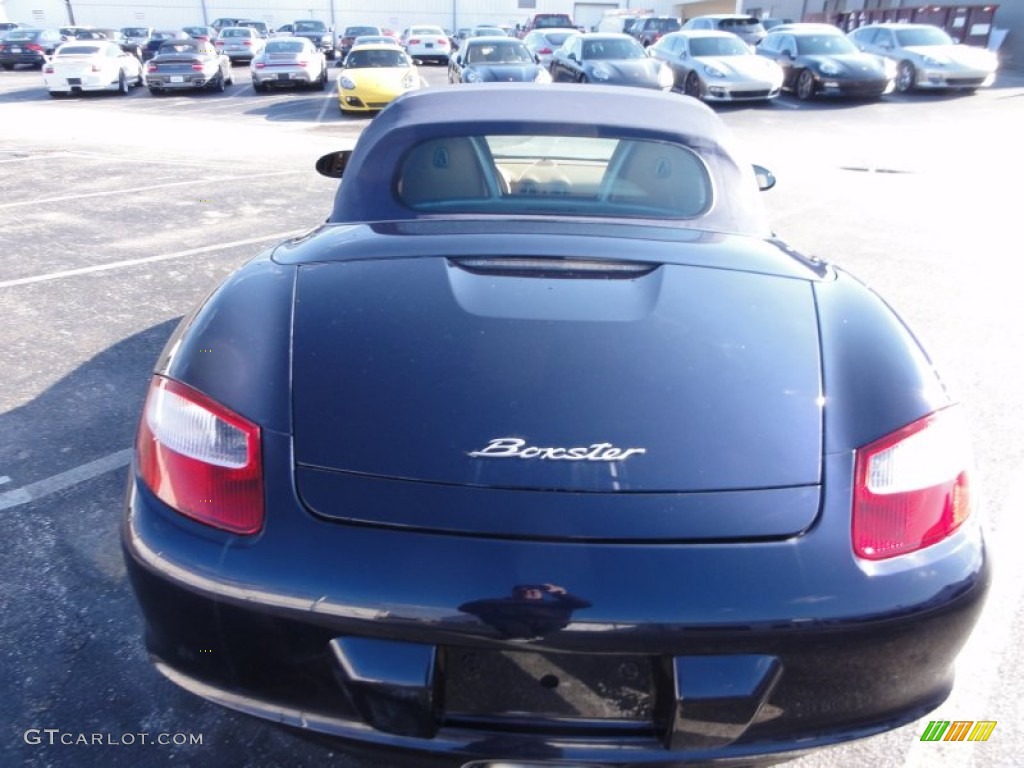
x=367 y=193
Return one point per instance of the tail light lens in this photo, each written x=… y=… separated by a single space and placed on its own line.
x=200 y=458
x=247 y=42
x=413 y=41
x=48 y=69
x=35 y=47
x=197 y=67
x=912 y=487
x=544 y=50
x=260 y=65
x=151 y=68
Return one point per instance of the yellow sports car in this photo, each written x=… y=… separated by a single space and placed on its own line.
x=373 y=76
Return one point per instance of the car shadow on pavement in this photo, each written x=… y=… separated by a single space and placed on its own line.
x=300 y=108
x=79 y=689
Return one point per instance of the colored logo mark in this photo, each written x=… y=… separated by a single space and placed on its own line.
x=958 y=730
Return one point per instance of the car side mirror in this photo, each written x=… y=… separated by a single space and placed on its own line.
x=765 y=178
x=333 y=164
x=572 y=57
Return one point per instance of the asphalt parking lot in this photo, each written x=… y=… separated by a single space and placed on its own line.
x=118 y=214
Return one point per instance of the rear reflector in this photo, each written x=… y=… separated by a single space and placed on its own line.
x=912 y=487
x=200 y=458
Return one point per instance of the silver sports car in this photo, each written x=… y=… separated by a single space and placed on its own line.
x=927 y=57
x=717 y=66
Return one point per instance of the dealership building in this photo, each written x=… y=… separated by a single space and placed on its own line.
x=1005 y=19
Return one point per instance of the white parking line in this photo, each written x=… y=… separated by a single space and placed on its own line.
x=55 y=483
x=331 y=97
x=147 y=260
x=133 y=190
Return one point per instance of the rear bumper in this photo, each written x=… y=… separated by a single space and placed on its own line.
x=292 y=77
x=375 y=635
x=71 y=84
x=29 y=59
x=193 y=83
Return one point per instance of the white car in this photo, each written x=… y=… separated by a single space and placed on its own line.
x=91 y=65
x=289 y=62
x=424 y=43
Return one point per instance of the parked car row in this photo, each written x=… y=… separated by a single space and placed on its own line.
x=712 y=65
x=716 y=60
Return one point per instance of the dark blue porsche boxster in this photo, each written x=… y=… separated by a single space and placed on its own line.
x=543 y=450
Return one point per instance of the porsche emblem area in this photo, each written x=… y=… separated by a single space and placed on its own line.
x=516 y=448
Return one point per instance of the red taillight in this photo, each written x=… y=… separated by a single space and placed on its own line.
x=247 y=42
x=200 y=458
x=34 y=47
x=912 y=487
x=219 y=43
x=197 y=67
x=443 y=42
x=414 y=41
x=48 y=69
x=302 y=63
x=151 y=68
x=260 y=65
x=544 y=50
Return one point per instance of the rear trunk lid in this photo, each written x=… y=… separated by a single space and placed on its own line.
x=499 y=397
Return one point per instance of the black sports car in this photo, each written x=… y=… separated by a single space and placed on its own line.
x=495 y=59
x=543 y=449
x=608 y=59
x=818 y=60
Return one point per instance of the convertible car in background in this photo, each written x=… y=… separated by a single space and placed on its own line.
x=374 y=75
x=544 y=450
x=188 y=65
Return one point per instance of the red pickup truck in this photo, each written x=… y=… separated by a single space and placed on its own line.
x=546 y=21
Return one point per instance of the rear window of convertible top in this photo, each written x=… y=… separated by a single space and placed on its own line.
x=558 y=175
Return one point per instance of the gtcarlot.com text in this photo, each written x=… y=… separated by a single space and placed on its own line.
x=56 y=736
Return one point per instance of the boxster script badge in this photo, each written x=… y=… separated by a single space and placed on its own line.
x=515 y=448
